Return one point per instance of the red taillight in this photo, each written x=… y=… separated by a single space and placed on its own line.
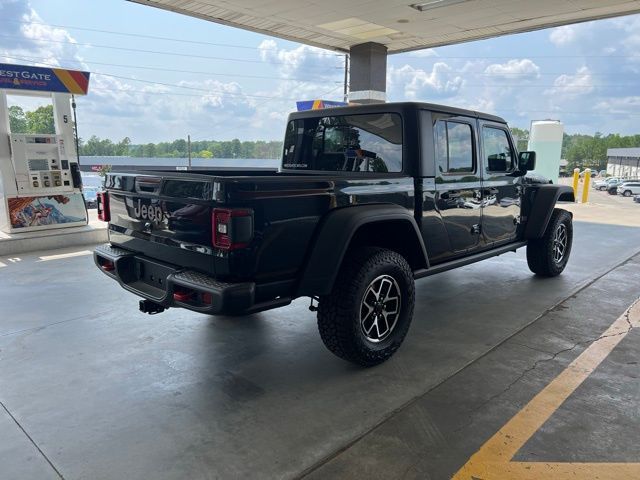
x=103 y=206
x=231 y=228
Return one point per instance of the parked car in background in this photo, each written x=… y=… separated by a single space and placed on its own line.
x=600 y=184
x=91 y=196
x=612 y=185
x=629 y=188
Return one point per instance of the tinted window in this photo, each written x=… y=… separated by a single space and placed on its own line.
x=454 y=147
x=353 y=143
x=497 y=150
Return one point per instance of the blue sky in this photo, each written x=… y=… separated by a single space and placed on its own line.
x=218 y=82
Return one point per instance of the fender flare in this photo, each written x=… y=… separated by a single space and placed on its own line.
x=332 y=239
x=543 y=202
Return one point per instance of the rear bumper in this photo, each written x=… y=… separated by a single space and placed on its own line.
x=171 y=286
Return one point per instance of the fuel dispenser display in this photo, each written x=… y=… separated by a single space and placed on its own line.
x=40 y=182
x=41 y=164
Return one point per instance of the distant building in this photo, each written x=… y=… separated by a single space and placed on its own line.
x=623 y=162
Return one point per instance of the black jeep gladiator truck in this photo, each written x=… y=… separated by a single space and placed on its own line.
x=368 y=199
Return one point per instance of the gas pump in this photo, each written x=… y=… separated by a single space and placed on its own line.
x=40 y=182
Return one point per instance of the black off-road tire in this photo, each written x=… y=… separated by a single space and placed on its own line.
x=541 y=252
x=339 y=320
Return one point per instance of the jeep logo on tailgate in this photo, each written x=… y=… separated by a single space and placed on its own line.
x=152 y=213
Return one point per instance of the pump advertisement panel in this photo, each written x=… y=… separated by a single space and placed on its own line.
x=22 y=77
x=25 y=212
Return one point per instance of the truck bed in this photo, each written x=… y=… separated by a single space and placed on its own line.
x=166 y=216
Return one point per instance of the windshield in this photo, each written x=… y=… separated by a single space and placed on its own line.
x=350 y=143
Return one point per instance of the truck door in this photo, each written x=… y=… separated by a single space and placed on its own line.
x=500 y=187
x=457 y=181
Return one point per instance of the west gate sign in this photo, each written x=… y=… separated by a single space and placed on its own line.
x=22 y=77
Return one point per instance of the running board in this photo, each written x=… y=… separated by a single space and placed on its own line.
x=461 y=262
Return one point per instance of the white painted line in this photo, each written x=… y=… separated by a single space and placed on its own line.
x=65 y=255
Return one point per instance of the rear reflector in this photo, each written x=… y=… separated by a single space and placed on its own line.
x=182 y=296
x=106 y=265
x=207 y=298
x=103 y=207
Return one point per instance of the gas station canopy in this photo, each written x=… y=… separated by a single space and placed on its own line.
x=399 y=25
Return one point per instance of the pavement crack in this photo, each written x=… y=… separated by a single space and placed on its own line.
x=53 y=324
x=532 y=348
x=550 y=358
x=15 y=420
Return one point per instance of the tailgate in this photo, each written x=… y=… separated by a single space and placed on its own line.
x=166 y=217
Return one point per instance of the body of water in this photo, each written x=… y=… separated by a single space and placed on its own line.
x=180 y=162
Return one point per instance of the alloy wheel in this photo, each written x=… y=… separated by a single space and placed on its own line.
x=380 y=308
x=560 y=240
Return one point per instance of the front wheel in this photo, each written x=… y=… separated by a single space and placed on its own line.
x=627 y=193
x=367 y=315
x=548 y=256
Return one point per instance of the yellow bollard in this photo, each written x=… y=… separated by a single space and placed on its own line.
x=585 y=187
x=576 y=177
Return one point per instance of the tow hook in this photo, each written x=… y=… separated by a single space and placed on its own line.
x=147 y=306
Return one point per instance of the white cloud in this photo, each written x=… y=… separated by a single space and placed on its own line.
x=622 y=105
x=517 y=70
x=41 y=44
x=425 y=53
x=303 y=61
x=561 y=36
x=573 y=85
x=206 y=107
x=418 y=84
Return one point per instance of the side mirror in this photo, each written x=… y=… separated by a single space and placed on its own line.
x=526 y=161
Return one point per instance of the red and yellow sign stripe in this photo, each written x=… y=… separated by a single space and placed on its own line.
x=73 y=80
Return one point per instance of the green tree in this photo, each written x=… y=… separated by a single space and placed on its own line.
x=41 y=120
x=122 y=147
x=149 y=150
x=205 y=154
x=522 y=138
x=104 y=169
x=17 y=120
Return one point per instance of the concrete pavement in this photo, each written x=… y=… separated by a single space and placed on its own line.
x=94 y=389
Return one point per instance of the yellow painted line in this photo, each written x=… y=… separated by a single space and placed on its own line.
x=493 y=460
x=64 y=255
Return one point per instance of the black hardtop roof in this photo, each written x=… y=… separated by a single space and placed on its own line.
x=395 y=106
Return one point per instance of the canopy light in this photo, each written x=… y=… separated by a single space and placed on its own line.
x=435 y=4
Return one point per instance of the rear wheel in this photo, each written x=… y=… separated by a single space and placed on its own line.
x=367 y=315
x=548 y=256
